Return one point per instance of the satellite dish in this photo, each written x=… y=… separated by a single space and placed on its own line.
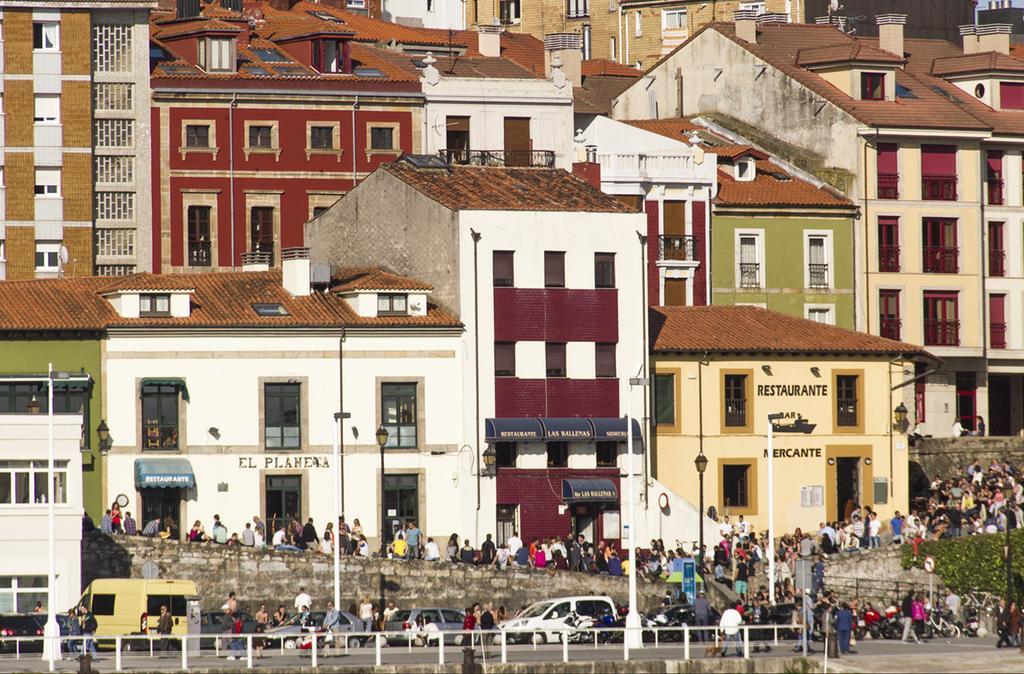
x=64 y=255
x=834 y=5
x=150 y=570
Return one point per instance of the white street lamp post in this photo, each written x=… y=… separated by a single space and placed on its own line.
x=771 y=506
x=337 y=473
x=633 y=635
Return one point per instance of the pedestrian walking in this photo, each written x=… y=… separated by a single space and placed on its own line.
x=163 y=627
x=1003 y=624
x=844 y=628
x=918 y=614
x=366 y=614
x=701 y=615
x=730 y=625
x=332 y=623
x=87 y=621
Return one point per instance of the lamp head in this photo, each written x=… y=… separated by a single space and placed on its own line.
x=490 y=457
x=701 y=462
x=382 y=436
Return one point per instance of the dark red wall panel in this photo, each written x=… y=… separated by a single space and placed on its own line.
x=700 y=274
x=539 y=493
x=559 y=397
x=653 y=251
x=556 y=315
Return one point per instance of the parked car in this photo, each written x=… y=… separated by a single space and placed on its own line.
x=412 y=622
x=21 y=625
x=212 y=622
x=295 y=635
x=543 y=621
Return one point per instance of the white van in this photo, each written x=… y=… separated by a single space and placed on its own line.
x=545 y=620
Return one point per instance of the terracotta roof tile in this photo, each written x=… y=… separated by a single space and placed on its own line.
x=677 y=129
x=597 y=93
x=482 y=66
x=843 y=53
x=373 y=278
x=744 y=329
x=773 y=186
x=220 y=299
x=367 y=29
x=176 y=29
x=976 y=63
x=609 y=68
x=478 y=188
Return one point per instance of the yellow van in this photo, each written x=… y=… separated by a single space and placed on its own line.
x=130 y=605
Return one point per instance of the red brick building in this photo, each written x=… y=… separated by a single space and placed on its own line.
x=262 y=117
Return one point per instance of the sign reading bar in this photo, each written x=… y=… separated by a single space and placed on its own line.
x=283 y=462
x=795 y=453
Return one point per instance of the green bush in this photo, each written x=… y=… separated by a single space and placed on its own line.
x=972 y=562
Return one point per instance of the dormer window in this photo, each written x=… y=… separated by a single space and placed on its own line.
x=155 y=304
x=872 y=86
x=392 y=305
x=745 y=169
x=217 y=54
x=329 y=56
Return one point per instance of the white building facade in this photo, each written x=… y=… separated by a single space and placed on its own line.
x=239 y=421
x=23 y=510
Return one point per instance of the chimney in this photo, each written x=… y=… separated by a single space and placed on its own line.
x=890 y=32
x=588 y=171
x=188 y=9
x=563 y=52
x=969 y=37
x=374 y=8
x=994 y=37
x=488 y=40
x=746 y=25
x=295 y=271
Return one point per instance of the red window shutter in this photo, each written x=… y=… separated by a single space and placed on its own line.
x=995 y=162
x=997 y=308
x=938 y=160
x=700 y=277
x=1011 y=95
x=887 y=158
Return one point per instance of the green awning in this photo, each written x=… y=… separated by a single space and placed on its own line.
x=168 y=381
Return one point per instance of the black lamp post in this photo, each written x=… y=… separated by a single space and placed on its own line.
x=382 y=439
x=701 y=462
x=489 y=459
x=900 y=418
x=103 y=434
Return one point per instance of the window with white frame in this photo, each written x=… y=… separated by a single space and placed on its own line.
x=674 y=19
x=23 y=483
x=3 y=251
x=46 y=36
x=819 y=314
x=47 y=255
x=758 y=6
x=47 y=182
x=612 y=52
x=216 y=54
x=20 y=594
x=47 y=109
x=638 y=29
x=745 y=169
x=749 y=261
x=818 y=260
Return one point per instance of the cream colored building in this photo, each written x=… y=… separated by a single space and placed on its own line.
x=721 y=371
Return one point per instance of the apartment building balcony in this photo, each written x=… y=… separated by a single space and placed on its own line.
x=941 y=332
x=750 y=275
x=997 y=335
x=940 y=259
x=890 y=328
x=888 y=258
x=500 y=158
x=659 y=168
x=995 y=191
x=996 y=262
x=938 y=188
x=678 y=249
x=199 y=253
x=888 y=186
x=817 y=275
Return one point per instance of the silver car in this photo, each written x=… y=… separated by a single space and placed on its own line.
x=295 y=635
x=413 y=622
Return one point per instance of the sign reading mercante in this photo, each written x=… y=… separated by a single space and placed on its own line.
x=794 y=453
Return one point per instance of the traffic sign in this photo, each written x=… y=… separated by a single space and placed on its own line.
x=929 y=564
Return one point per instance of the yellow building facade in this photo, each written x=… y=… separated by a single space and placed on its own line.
x=719 y=372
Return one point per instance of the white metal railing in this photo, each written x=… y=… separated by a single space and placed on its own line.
x=625 y=165
x=494 y=645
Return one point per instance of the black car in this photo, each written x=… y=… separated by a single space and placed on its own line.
x=212 y=622
x=21 y=625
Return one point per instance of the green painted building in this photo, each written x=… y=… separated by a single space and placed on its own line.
x=26 y=355
x=780 y=242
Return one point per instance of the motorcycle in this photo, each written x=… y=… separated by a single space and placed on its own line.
x=577 y=628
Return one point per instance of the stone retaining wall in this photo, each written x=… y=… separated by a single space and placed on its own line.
x=939 y=456
x=876 y=576
x=273 y=578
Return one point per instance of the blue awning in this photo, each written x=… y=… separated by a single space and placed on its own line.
x=557 y=429
x=589 y=490
x=513 y=430
x=615 y=429
x=173 y=473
